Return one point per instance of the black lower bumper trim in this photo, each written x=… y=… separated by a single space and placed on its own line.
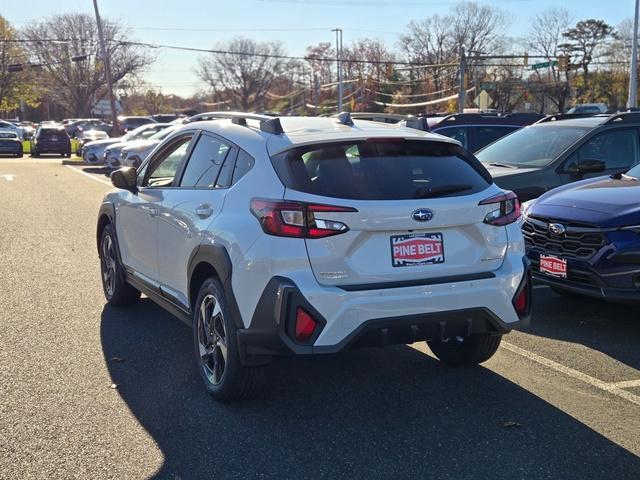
x=269 y=332
x=621 y=295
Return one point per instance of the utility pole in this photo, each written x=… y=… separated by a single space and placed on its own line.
x=633 y=76
x=339 y=65
x=107 y=68
x=461 y=92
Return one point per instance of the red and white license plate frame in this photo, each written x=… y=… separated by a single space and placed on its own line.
x=417 y=249
x=554 y=266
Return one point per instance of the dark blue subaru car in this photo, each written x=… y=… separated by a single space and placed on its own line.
x=584 y=238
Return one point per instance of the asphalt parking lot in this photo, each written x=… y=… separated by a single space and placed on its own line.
x=90 y=391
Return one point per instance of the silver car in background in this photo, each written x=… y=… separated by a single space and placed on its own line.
x=112 y=152
x=93 y=152
x=135 y=152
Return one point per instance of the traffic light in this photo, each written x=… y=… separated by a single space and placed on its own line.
x=563 y=63
x=525 y=96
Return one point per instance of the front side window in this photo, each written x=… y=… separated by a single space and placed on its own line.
x=162 y=171
x=382 y=170
x=618 y=149
x=205 y=162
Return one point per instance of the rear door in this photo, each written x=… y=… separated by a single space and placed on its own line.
x=417 y=212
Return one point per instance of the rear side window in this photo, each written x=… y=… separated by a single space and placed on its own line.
x=205 y=162
x=457 y=133
x=489 y=134
x=53 y=132
x=382 y=170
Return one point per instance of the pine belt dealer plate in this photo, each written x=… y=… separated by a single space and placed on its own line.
x=417 y=249
x=553 y=266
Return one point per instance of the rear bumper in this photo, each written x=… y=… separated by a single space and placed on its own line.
x=383 y=316
x=621 y=295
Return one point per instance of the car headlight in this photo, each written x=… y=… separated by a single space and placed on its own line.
x=525 y=206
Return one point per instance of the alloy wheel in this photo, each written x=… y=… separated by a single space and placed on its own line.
x=108 y=265
x=212 y=339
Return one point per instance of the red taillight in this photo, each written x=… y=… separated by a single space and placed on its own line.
x=508 y=210
x=305 y=325
x=521 y=302
x=297 y=219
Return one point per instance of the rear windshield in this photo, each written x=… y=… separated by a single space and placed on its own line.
x=53 y=132
x=8 y=135
x=382 y=170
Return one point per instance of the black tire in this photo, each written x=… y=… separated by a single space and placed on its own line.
x=34 y=153
x=460 y=352
x=19 y=155
x=214 y=333
x=116 y=289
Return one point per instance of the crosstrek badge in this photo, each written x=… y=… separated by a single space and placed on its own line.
x=553 y=266
x=417 y=249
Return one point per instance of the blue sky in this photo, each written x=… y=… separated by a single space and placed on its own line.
x=202 y=23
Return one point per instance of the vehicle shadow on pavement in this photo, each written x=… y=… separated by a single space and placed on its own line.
x=371 y=413
x=610 y=328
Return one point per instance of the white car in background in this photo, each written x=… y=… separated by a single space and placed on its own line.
x=93 y=152
x=301 y=235
x=91 y=136
x=135 y=152
x=112 y=152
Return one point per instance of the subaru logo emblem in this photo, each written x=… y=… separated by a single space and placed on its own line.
x=557 y=229
x=422 y=215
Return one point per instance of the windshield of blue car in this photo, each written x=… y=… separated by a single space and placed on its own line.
x=634 y=171
x=532 y=147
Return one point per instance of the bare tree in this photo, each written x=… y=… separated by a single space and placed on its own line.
x=78 y=85
x=545 y=38
x=246 y=73
x=479 y=28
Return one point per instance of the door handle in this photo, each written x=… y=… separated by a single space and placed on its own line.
x=204 y=211
x=152 y=211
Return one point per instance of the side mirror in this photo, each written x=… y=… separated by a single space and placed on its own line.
x=585 y=166
x=591 y=166
x=125 y=178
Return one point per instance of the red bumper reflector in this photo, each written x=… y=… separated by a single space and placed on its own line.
x=305 y=325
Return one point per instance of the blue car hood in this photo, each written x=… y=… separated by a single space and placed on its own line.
x=602 y=201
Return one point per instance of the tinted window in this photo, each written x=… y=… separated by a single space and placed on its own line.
x=205 y=162
x=8 y=135
x=457 y=133
x=489 y=134
x=164 y=169
x=244 y=163
x=382 y=170
x=534 y=146
x=618 y=149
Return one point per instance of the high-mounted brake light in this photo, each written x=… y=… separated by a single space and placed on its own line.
x=508 y=210
x=297 y=219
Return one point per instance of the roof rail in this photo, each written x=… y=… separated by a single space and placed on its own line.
x=564 y=116
x=268 y=124
x=344 y=118
x=629 y=116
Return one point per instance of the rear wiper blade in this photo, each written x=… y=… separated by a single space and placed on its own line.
x=498 y=164
x=440 y=191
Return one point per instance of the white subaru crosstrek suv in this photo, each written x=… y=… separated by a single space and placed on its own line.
x=297 y=235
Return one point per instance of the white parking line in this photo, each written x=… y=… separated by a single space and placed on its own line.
x=106 y=182
x=613 y=388
x=627 y=384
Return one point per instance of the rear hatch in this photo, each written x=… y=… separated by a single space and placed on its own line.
x=410 y=211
